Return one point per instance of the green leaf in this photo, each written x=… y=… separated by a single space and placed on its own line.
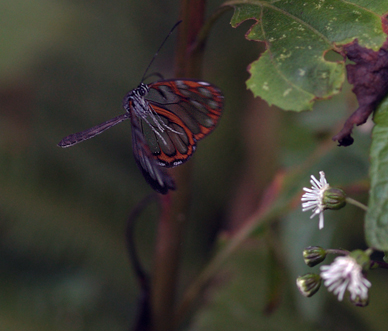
x=376 y=223
x=293 y=71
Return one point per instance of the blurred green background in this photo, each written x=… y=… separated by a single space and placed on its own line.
x=66 y=66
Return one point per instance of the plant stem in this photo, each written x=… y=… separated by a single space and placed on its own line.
x=337 y=251
x=256 y=222
x=356 y=203
x=205 y=30
x=166 y=264
x=380 y=264
x=143 y=316
x=175 y=206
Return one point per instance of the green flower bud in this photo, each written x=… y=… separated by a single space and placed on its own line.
x=334 y=198
x=308 y=284
x=362 y=258
x=313 y=255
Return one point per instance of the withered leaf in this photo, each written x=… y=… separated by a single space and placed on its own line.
x=369 y=75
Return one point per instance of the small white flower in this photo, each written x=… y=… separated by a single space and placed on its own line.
x=313 y=198
x=345 y=273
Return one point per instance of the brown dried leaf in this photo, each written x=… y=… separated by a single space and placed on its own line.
x=369 y=75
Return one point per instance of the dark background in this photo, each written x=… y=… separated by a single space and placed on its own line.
x=66 y=66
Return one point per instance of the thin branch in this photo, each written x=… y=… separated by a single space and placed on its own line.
x=252 y=225
x=207 y=26
x=356 y=203
x=143 y=317
x=172 y=224
x=379 y=264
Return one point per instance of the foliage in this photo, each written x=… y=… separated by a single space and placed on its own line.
x=66 y=65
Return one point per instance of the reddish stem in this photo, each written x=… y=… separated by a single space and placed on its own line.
x=175 y=206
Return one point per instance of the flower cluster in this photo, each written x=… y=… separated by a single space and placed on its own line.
x=346 y=273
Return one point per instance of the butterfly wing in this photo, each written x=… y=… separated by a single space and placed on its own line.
x=156 y=176
x=78 y=137
x=190 y=108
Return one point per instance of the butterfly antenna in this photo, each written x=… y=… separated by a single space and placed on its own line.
x=160 y=47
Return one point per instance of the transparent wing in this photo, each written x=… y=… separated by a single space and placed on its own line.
x=189 y=109
x=155 y=175
x=78 y=137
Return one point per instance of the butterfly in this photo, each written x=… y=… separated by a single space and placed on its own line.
x=168 y=117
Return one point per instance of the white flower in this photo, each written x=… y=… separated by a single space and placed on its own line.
x=345 y=273
x=313 y=198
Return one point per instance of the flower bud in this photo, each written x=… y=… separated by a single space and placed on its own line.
x=334 y=198
x=313 y=255
x=360 y=302
x=308 y=284
x=362 y=258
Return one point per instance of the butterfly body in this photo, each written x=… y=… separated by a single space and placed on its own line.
x=168 y=117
